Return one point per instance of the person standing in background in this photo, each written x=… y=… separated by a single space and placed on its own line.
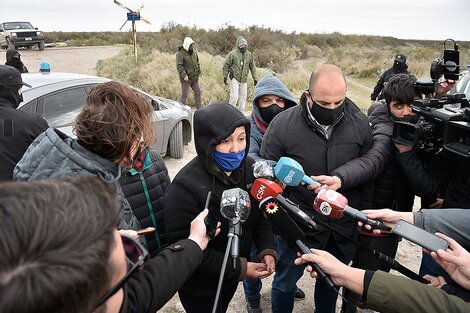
x=237 y=64
x=187 y=64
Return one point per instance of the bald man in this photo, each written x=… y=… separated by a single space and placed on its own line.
x=323 y=133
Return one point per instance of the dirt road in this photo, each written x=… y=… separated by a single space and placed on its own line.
x=83 y=60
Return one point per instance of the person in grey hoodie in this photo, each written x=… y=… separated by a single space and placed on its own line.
x=270 y=98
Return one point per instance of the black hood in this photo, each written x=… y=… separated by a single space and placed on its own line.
x=13 y=58
x=214 y=123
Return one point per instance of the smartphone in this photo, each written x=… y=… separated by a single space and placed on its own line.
x=419 y=236
x=211 y=220
x=146 y=230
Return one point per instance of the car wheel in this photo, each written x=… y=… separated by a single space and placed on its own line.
x=41 y=45
x=176 y=141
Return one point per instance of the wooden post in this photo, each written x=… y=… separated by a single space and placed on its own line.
x=134 y=39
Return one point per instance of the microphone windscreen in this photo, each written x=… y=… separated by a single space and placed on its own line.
x=263 y=169
x=282 y=223
x=330 y=203
x=235 y=203
x=263 y=188
x=289 y=171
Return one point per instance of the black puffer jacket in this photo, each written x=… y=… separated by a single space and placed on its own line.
x=186 y=197
x=17 y=132
x=144 y=190
x=294 y=134
x=382 y=82
x=392 y=188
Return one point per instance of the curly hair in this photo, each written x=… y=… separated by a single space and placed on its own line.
x=113 y=121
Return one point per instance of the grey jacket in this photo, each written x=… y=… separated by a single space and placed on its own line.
x=54 y=154
x=451 y=222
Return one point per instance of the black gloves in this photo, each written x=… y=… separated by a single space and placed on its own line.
x=225 y=81
x=255 y=82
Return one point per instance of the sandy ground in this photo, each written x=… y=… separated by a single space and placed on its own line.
x=83 y=60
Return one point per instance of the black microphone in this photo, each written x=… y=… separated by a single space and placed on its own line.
x=235 y=206
x=263 y=188
x=290 y=233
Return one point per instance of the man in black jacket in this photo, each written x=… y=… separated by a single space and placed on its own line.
x=18 y=129
x=399 y=66
x=324 y=132
x=61 y=252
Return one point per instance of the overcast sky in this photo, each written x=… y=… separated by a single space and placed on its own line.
x=406 y=19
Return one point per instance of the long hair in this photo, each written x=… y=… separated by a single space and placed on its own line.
x=113 y=121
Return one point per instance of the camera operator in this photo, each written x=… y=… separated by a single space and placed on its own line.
x=443 y=173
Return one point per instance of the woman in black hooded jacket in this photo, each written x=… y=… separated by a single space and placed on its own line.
x=221 y=163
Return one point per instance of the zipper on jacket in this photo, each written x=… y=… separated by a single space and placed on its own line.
x=150 y=208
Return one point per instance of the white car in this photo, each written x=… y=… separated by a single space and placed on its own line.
x=59 y=97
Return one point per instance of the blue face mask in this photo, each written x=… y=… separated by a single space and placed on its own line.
x=228 y=162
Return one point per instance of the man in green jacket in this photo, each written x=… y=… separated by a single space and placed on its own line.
x=187 y=64
x=237 y=64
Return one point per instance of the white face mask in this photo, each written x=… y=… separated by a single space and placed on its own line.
x=20 y=91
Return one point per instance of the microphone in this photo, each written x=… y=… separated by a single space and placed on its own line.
x=235 y=206
x=263 y=169
x=335 y=205
x=291 y=173
x=290 y=232
x=263 y=188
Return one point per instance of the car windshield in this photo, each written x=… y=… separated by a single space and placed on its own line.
x=17 y=25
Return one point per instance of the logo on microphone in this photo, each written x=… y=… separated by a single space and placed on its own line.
x=271 y=207
x=289 y=177
x=325 y=208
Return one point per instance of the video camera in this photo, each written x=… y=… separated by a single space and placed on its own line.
x=444 y=122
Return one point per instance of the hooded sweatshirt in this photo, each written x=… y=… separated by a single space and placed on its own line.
x=268 y=85
x=13 y=59
x=238 y=64
x=186 y=197
x=187 y=63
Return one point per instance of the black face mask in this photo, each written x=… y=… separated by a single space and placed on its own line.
x=190 y=50
x=407 y=118
x=242 y=50
x=399 y=67
x=267 y=114
x=326 y=116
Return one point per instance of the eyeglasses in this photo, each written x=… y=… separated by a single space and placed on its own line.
x=136 y=256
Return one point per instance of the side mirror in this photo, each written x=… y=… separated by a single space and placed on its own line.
x=155 y=105
x=35 y=28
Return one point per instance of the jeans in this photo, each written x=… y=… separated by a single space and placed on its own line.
x=238 y=92
x=185 y=91
x=252 y=287
x=287 y=275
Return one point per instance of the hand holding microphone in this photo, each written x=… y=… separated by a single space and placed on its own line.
x=335 y=205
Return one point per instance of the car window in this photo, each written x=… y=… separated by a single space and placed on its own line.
x=62 y=107
x=17 y=25
x=29 y=107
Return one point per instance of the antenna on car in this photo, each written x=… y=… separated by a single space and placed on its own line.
x=133 y=15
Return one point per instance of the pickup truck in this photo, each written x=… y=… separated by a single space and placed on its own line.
x=20 y=34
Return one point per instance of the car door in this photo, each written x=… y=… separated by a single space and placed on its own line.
x=62 y=107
